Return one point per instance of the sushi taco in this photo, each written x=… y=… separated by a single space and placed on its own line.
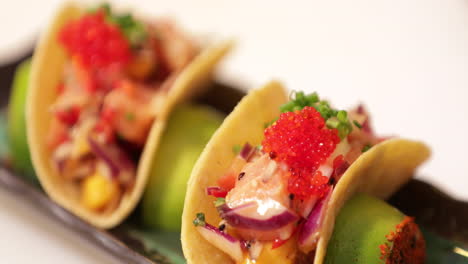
x=268 y=186
x=102 y=87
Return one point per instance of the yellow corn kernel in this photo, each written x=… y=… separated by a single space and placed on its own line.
x=97 y=191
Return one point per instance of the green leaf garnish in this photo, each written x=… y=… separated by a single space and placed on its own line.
x=199 y=220
x=356 y=123
x=219 y=201
x=366 y=148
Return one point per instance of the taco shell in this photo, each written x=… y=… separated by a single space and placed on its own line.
x=380 y=171
x=47 y=68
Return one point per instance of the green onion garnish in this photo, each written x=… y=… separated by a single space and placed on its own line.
x=219 y=201
x=332 y=122
x=133 y=29
x=313 y=98
x=129 y=116
x=271 y=122
x=356 y=123
x=334 y=119
x=366 y=148
x=199 y=220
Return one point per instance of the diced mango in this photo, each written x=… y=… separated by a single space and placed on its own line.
x=285 y=254
x=97 y=191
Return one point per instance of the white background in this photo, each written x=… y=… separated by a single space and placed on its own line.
x=407 y=60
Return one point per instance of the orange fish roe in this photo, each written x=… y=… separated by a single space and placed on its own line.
x=96 y=42
x=303 y=142
x=405 y=245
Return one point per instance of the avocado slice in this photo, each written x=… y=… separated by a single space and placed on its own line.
x=188 y=131
x=16 y=127
x=368 y=230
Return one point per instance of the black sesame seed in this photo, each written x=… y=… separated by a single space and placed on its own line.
x=222 y=227
x=241 y=175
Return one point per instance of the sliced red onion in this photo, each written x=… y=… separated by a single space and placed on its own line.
x=60 y=165
x=247 y=151
x=277 y=221
x=114 y=157
x=360 y=110
x=340 y=170
x=225 y=242
x=310 y=230
x=216 y=191
x=306 y=206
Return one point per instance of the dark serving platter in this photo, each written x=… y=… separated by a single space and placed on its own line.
x=444 y=220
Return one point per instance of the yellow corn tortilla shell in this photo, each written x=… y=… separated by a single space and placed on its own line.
x=47 y=69
x=380 y=171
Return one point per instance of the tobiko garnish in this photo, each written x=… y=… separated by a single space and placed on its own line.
x=95 y=41
x=302 y=140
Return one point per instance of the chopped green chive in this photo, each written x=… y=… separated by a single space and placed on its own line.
x=342 y=116
x=129 y=116
x=313 y=98
x=236 y=149
x=219 y=201
x=334 y=119
x=287 y=106
x=259 y=147
x=344 y=129
x=323 y=107
x=297 y=108
x=356 y=123
x=199 y=220
x=133 y=29
x=366 y=148
x=301 y=98
x=333 y=122
x=271 y=122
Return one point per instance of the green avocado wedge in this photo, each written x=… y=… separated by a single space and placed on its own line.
x=18 y=145
x=364 y=227
x=187 y=132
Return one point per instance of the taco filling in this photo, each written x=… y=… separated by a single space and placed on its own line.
x=273 y=198
x=115 y=79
